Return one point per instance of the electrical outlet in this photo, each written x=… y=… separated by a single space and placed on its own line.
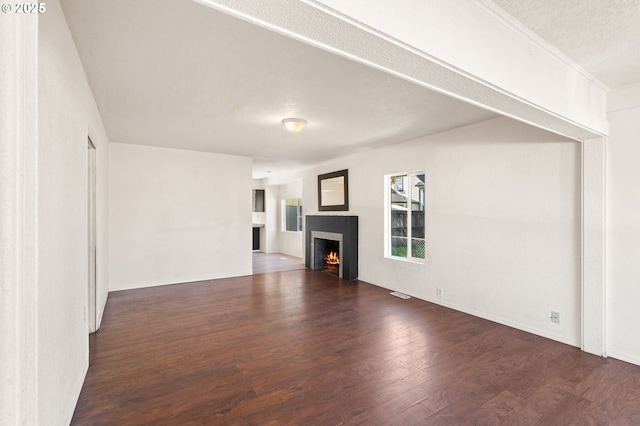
x=439 y=292
x=555 y=317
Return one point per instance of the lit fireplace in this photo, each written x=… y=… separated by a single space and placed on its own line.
x=327 y=251
x=332 y=263
x=332 y=245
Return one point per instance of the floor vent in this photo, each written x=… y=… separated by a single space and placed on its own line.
x=400 y=295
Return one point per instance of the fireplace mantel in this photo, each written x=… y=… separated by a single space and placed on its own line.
x=345 y=225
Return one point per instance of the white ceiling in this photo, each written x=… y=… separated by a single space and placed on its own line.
x=175 y=73
x=602 y=36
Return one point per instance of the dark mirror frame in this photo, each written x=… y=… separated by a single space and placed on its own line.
x=334 y=207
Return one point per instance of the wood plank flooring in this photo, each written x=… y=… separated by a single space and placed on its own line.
x=306 y=348
x=275 y=262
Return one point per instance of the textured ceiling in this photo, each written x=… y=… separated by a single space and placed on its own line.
x=602 y=36
x=174 y=73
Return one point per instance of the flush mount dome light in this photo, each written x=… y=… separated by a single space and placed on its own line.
x=294 y=125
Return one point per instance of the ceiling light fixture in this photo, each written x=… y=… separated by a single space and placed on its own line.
x=294 y=125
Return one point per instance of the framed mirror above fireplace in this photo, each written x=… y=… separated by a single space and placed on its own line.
x=333 y=191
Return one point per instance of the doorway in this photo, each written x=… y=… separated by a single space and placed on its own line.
x=91 y=234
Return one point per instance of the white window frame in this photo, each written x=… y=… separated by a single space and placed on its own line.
x=387 y=216
x=283 y=209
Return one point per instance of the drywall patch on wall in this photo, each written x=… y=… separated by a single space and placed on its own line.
x=177 y=216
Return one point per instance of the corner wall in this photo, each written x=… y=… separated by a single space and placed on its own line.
x=623 y=227
x=18 y=218
x=177 y=216
x=503 y=223
x=67 y=115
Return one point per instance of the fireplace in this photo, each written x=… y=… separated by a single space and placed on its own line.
x=332 y=245
x=326 y=252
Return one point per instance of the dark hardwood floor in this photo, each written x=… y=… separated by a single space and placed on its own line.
x=303 y=347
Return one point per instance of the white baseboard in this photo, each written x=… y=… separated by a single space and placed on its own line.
x=623 y=357
x=543 y=333
x=512 y=324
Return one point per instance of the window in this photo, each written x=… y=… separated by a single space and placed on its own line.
x=292 y=215
x=405 y=218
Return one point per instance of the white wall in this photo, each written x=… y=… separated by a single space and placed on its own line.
x=272 y=228
x=18 y=218
x=503 y=223
x=623 y=230
x=177 y=216
x=67 y=115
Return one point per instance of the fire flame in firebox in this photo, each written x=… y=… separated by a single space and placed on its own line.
x=331 y=261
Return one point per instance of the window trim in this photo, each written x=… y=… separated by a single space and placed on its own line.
x=387 y=219
x=299 y=215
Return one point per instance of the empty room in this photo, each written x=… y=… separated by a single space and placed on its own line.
x=319 y=212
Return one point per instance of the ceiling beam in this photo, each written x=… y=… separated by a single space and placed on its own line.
x=462 y=50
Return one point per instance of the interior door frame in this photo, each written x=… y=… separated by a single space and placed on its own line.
x=92 y=276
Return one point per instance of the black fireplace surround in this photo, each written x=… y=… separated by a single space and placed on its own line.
x=345 y=225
